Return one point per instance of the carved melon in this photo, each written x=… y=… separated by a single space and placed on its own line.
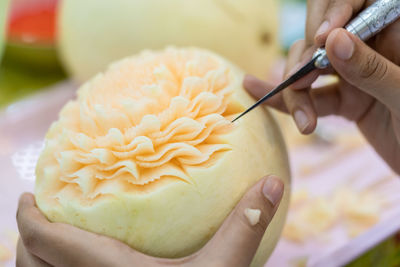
x=147 y=153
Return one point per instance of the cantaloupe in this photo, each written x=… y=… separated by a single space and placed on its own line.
x=147 y=153
x=93 y=33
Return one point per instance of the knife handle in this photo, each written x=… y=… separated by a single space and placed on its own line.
x=368 y=23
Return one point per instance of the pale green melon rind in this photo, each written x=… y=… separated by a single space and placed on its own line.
x=178 y=219
x=235 y=29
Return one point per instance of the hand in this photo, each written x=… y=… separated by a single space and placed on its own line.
x=368 y=91
x=55 y=244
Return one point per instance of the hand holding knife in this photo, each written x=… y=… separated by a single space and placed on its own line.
x=367 y=24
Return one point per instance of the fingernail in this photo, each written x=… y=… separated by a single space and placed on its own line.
x=301 y=120
x=343 y=46
x=323 y=28
x=273 y=189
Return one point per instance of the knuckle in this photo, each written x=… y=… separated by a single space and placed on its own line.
x=259 y=228
x=292 y=99
x=253 y=229
x=265 y=219
x=373 y=68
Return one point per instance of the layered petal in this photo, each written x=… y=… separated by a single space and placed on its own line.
x=147 y=118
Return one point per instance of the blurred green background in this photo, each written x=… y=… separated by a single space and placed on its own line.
x=29 y=62
x=3 y=18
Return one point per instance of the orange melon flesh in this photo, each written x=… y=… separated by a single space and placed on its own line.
x=147 y=153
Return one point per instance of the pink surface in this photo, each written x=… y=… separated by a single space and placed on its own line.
x=358 y=168
x=23 y=125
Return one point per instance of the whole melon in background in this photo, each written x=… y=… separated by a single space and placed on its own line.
x=93 y=33
x=147 y=153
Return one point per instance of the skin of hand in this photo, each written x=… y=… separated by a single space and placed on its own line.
x=43 y=243
x=368 y=91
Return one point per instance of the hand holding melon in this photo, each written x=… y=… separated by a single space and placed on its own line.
x=147 y=154
x=234 y=244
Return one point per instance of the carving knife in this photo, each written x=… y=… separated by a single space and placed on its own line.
x=365 y=25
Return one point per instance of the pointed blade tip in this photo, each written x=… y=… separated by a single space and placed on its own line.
x=235 y=119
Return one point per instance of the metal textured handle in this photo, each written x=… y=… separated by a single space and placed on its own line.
x=374 y=19
x=367 y=24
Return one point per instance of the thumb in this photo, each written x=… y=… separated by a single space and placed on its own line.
x=237 y=240
x=364 y=68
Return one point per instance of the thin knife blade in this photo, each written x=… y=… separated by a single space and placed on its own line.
x=307 y=68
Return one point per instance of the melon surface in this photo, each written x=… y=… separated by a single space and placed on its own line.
x=94 y=33
x=147 y=153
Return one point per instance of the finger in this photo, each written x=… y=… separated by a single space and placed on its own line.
x=237 y=240
x=339 y=99
x=327 y=100
x=26 y=259
x=316 y=10
x=298 y=102
x=64 y=245
x=31 y=223
x=315 y=16
x=364 y=68
x=300 y=61
x=258 y=88
x=322 y=17
x=337 y=14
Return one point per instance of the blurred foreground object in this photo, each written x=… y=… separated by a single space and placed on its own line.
x=30 y=59
x=3 y=17
x=31 y=33
x=93 y=33
x=312 y=216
